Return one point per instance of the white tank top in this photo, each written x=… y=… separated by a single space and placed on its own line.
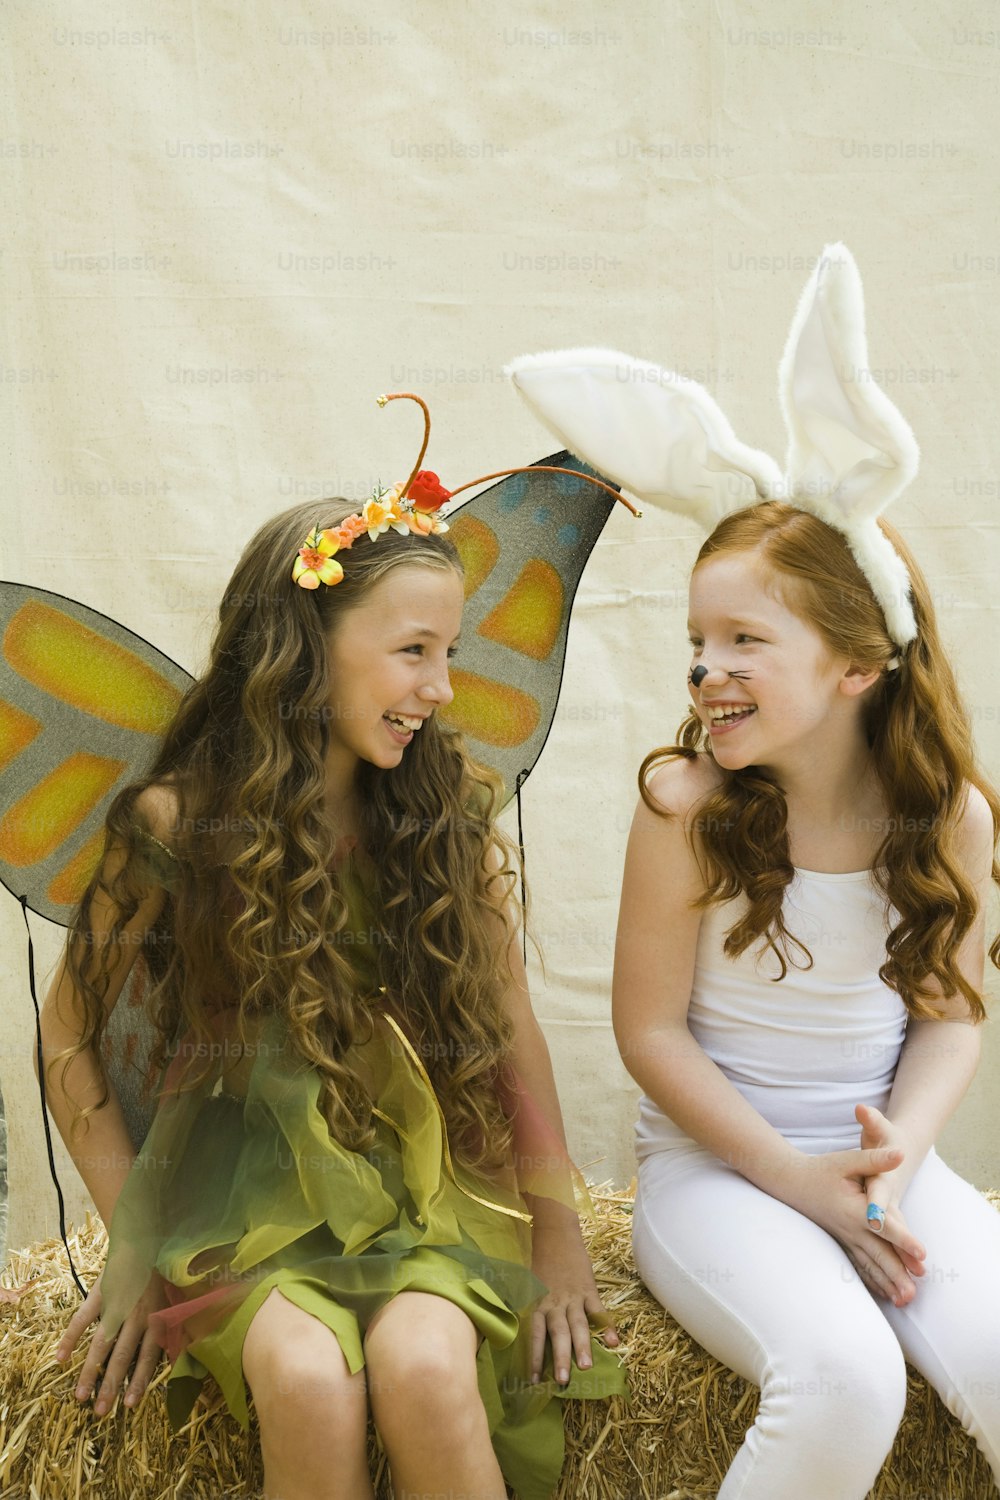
x=805 y=1050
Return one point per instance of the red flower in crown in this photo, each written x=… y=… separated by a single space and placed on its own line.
x=427 y=492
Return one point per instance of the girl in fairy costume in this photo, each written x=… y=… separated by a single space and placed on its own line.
x=341 y=1203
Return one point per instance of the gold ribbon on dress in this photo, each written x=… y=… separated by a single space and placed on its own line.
x=514 y=1213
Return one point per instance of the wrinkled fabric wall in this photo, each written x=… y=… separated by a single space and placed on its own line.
x=228 y=227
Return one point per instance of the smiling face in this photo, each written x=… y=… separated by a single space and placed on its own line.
x=388 y=661
x=789 y=692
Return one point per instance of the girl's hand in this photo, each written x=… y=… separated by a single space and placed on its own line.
x=887 y=1188
x=832 y=1190
x=559 y=1258
x=133 y=1335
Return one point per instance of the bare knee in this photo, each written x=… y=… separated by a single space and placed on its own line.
x=294 y=1364
x=422 y=1354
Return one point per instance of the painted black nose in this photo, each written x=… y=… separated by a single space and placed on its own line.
x=698 y=675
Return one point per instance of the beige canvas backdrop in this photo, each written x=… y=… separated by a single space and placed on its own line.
x=227 y=228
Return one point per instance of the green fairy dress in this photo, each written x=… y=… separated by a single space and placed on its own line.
x=239 y=1187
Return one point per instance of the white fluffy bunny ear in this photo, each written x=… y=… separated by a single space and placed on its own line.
x=657 y=434
x=850 y=452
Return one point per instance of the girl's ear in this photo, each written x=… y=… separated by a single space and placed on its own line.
x=857 y=680
x=657 y=434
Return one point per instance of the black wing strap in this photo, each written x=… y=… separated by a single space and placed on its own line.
x=522 y=777
x=41 y=1087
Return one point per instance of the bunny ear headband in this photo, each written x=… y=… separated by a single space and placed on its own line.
x=661 y=436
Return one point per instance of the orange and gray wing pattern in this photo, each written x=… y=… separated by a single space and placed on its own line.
x=524 y=544
x=83 y=704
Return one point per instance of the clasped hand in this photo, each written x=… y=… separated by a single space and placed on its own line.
x=134 y=1335
x=835 y=1189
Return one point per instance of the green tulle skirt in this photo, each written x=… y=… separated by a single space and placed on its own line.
x=238 y=1190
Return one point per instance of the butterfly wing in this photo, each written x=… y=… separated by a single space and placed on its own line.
x=524 y=543
x=83 y=703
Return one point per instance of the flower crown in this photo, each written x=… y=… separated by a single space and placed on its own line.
x=418 y=513
x=415 y=508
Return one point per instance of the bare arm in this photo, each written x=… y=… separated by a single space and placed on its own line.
x=559 y=1256
x=654 y=974
x=653 y=977
x=936 y=1065
x=939 y=1057
x=100 y=1147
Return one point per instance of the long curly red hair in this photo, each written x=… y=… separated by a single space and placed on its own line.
x=922 y=750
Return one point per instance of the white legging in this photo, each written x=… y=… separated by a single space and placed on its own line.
x=775 y=1298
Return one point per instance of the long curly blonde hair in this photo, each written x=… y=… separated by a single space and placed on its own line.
x=922 y=752
x=245 y=757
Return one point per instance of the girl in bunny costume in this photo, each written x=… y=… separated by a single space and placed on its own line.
x=801 y=945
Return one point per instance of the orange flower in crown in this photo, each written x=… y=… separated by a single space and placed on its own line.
x=348 y=531
x=316 y=563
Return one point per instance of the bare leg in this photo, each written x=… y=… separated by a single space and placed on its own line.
x=313 y=1412
x=420 y=1352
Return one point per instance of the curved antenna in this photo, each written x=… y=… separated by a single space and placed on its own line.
x=500 y=473
x=409 y=396
x=550 y=469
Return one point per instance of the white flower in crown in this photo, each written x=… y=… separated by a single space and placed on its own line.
x=382 y=511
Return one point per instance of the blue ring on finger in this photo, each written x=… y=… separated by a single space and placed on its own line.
x=876 y=1216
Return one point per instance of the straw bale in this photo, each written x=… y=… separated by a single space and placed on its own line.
x=673 y=1440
